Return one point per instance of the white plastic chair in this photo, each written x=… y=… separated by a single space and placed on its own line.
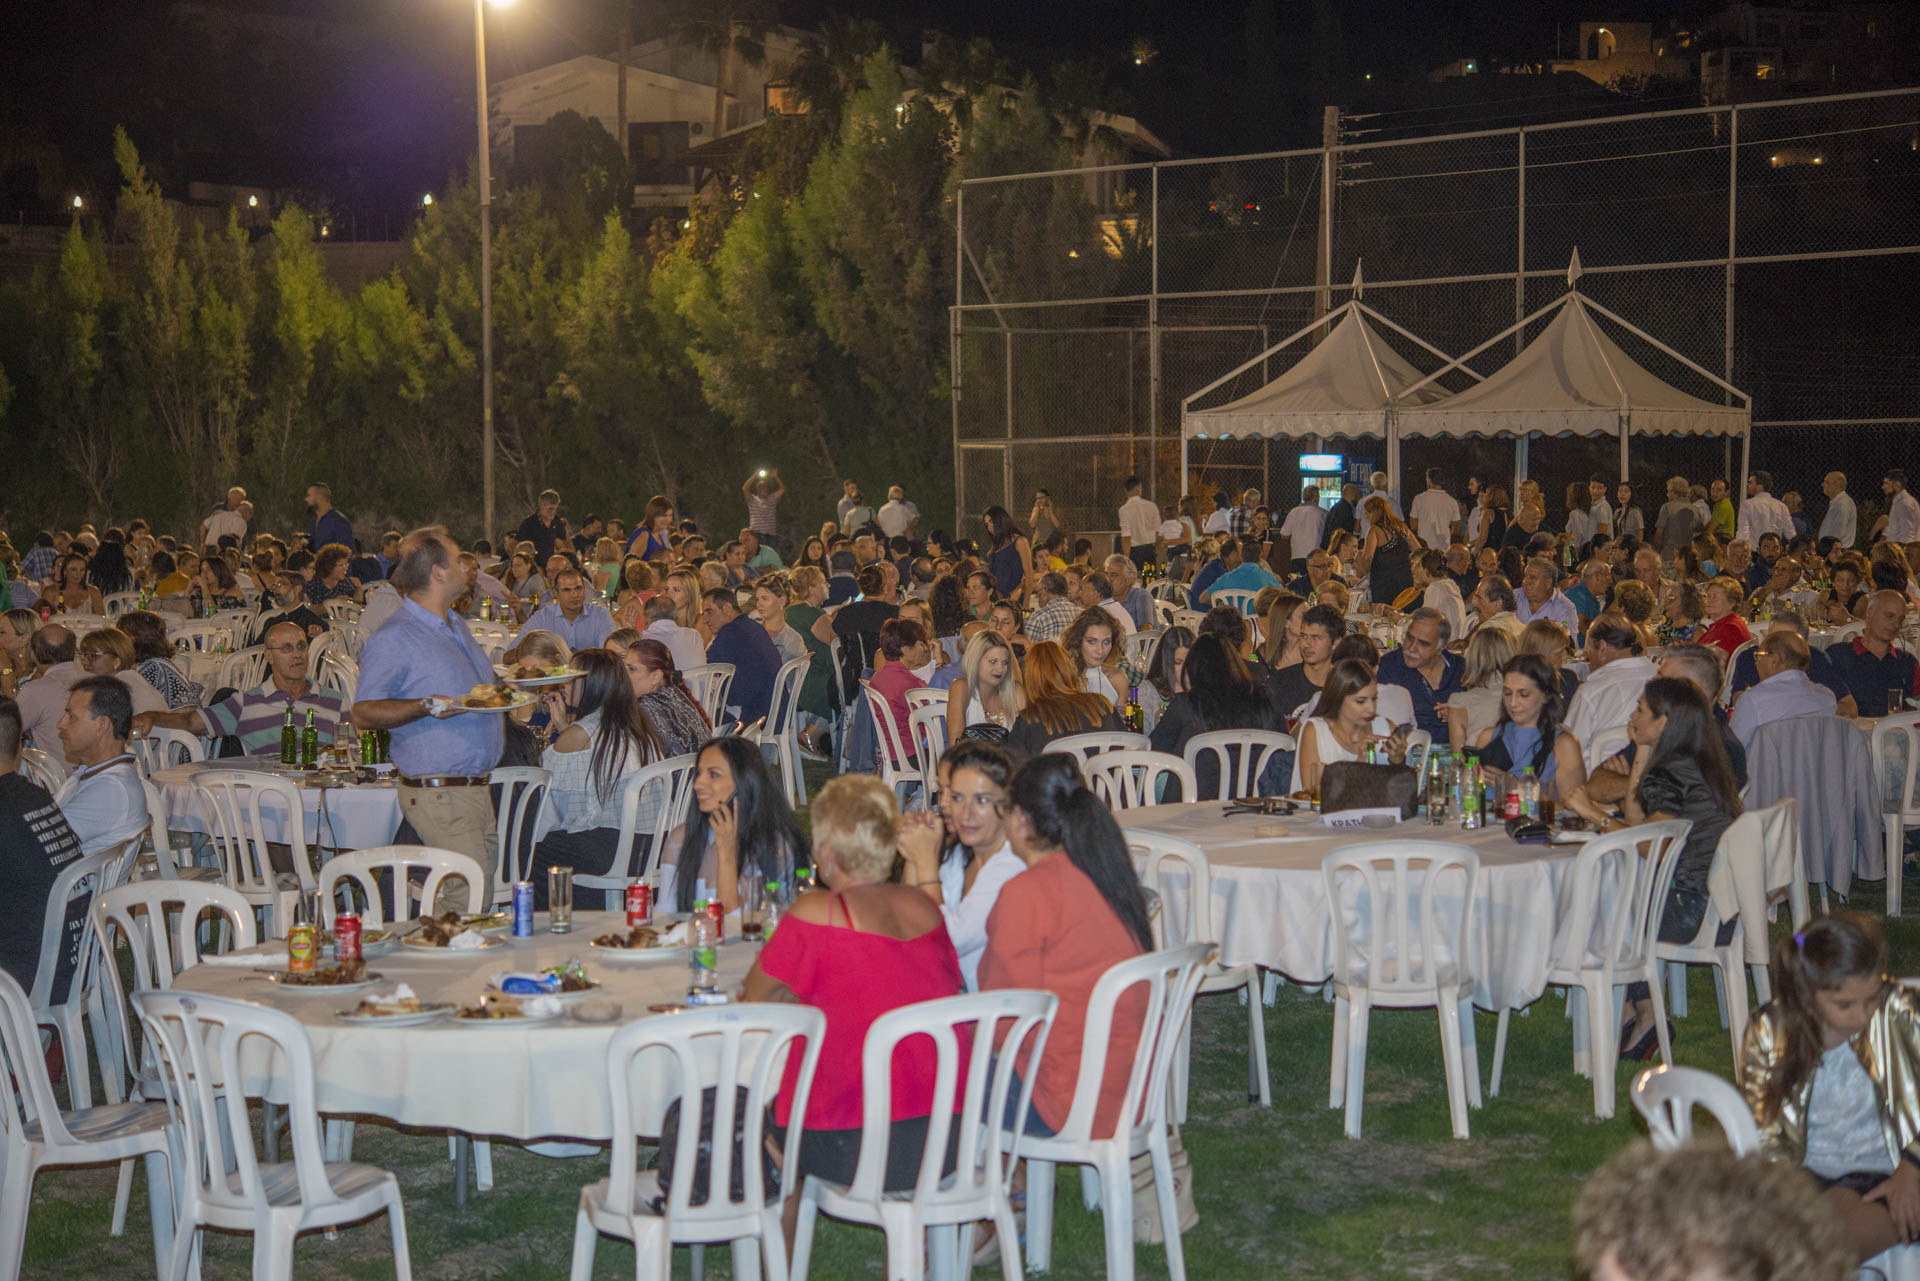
x=1606 y=940
x=1240 y=598
x=237 y=621
x=341 y=672
x=1729 y=962
x=1094 y=742
x=343 y=610
x=1139 y=648
x=723 y=1049
x=894 y=756
x=977 y=1190
x=1198 y=927
x=1906 y=811
x=1238 y=754
x=244 y=669
x=200 y=636
x=1606 y=744
x=40 y=768
x=225 y=1185
x=1419 y=747
x=1780 y=830
x=163 y=748
x=1416 y=898
x=61 y=991
x=319 y=647
x=673 y=777
x=1666 y=1096
x=1169 y=980
x=709 y=683
x=235 y=799
x=927 y=726
x=926 y=696
x=399 y=862
x=119 y=603
x=160 y=922
x=782 y=730
x=80 y=623
x=523 y=800
x=1131 y=779
x=39 y=1134
x=1726 y=681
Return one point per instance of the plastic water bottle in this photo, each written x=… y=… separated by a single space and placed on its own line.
x=1529 y=794
x=1472 y=800
x=703 y=987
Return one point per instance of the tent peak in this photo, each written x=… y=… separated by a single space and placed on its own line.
x=1359 y=286
x=1573 y=267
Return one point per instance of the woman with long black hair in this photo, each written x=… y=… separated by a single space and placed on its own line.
x=738 y=827
x=1221 y=693
x=601 y=736
x=1011 y=559
x=1076 y=911
x=1528 y=734
x=1680 y=770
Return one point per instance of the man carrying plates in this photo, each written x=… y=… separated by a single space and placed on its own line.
x=413 y=673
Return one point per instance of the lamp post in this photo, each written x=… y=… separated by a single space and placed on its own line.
x=486 y=269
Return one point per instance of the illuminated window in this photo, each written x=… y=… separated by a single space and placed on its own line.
x=1763 y=71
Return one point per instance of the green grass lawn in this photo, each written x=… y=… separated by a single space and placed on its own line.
x=1281 y=1192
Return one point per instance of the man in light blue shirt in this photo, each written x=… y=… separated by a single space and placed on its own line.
x=413 y=671
x=1539 y=598
x=1249 y=575
x=1784 y=691
x=580 y=625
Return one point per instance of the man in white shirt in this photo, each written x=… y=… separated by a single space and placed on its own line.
x=1784 y=691
x=102 y=799
x=1302 y=527
x=1139 y=525
x=1597 y=506
x=1435 y=513
x=898 y=517
x=225 y=520
x=1379 y=483
x=682 y=642
x=1762 y=513
x=1606 y=698
x=1219 y=519
x=1902 y=521
x=1096 y=591
x=1842 y=520
x=1493 y=606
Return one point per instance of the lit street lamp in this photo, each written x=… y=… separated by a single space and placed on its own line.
x=486 y=268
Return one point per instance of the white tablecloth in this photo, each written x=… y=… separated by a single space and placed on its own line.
x=543 y=1081
x=1270 y=903
x=357 y=816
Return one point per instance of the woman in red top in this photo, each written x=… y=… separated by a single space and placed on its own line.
x=1726 y=629
x=1076 y=911
x=903 y=647
x=855 y=951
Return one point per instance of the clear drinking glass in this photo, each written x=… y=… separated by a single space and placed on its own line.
x=753 y=910
x=560 y=900
x=1896 y=700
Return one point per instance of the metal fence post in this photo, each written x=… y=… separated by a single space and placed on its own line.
x=1153 y=351
x=956 y=358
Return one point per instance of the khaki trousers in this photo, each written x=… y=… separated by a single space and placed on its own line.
x=458 y=819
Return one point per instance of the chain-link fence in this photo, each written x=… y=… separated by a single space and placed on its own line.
x=1775 y=244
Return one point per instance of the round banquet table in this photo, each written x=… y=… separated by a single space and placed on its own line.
x=349 y=816
x=543 y=1081
x=1270 y=901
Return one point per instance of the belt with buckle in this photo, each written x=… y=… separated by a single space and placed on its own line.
x=443 y=780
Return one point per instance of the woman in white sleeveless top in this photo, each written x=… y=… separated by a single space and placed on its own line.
x=1343 y=725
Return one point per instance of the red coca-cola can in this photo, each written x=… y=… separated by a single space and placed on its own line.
x=639 y=904
x=1511 y=809
x=346 y=937
x=719 y=914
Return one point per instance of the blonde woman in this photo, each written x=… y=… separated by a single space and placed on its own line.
x=689 y=598
x=988 y=691
x=1280 y=631
x=606 y=566
x=1477 y=707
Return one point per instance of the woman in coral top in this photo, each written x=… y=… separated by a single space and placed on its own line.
x=1076 y=911
x=855 y=951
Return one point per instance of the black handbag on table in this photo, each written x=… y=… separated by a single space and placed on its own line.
x=1356 y=785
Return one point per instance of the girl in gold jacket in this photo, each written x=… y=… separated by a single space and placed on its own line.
x=1831 y=1069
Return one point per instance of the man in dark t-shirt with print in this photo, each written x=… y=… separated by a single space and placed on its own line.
x=35 y=843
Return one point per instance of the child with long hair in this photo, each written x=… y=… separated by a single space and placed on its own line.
x=1831 y=1069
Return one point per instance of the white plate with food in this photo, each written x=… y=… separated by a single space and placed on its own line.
x=493 y=698
x=639 y=945
x=326 y=978
x=500 y=1011
x=495 y=991
x=425 y=945
x=405 y=1013
x=537 y=675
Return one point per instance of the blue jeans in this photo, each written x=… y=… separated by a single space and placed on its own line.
x=1036 y=1126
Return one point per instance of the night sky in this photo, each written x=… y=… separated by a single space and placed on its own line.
x=386 y=108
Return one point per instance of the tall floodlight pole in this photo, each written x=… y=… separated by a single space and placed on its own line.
x=486 y=270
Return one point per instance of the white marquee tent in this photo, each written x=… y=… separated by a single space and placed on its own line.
x=1575 y=380
x=1348 y=385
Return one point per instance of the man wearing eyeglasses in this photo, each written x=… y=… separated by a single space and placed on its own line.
x=255 y=716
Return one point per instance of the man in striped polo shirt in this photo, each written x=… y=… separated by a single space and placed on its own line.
x=255 y=716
